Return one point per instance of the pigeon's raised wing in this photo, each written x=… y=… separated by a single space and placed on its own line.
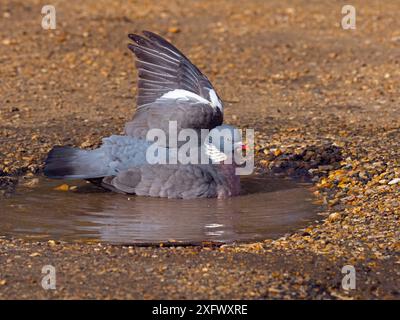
x=170 y=88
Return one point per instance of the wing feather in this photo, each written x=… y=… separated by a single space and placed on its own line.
x=163 y=68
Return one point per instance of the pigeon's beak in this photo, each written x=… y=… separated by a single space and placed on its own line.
x=240 y=146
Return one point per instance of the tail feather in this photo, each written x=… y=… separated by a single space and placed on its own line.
x=74 y=163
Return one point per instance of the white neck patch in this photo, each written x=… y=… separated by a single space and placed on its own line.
x=214 y=154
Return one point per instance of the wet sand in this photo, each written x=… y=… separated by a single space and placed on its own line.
x=323 y=102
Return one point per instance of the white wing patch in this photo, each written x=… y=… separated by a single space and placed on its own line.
x=215 y=102
x=180 y=94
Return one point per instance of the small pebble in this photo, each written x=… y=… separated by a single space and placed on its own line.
x=394 y=181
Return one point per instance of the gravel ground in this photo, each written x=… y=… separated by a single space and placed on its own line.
x=323 y=101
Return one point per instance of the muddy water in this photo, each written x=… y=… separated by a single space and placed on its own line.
x=268 y=208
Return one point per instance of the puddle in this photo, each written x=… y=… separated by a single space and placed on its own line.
x=268 y=208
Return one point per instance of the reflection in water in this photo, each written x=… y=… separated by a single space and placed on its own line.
x=268 y=208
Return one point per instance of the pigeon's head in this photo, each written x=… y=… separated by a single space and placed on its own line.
x=222 y=142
